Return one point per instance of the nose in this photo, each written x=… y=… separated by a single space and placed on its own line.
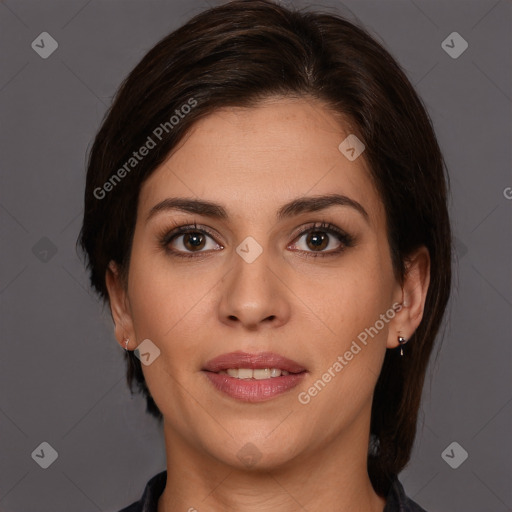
x=254 y=295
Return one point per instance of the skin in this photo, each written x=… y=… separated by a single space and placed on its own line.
x=252 y=161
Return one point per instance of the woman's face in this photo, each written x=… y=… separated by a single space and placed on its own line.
x=262 y=279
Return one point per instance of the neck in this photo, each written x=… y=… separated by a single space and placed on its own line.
x=329 y=477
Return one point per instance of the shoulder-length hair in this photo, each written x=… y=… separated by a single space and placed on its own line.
x=242 y=52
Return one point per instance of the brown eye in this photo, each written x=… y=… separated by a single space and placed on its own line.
x=318 y=240
x=193 y=241
x=188 y=241
x=315 y=240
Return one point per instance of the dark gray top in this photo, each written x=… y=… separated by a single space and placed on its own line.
x=396 y=500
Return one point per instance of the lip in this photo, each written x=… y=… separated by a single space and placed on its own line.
x=252 y=390
x=254 y=361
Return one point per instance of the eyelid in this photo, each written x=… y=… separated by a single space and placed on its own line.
x=167 y=235
x=320 y=226
x=345 y=239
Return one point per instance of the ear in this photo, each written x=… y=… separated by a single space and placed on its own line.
x=414 y=292
x=119 y=306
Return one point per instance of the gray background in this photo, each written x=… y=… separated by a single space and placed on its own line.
x=62 y=373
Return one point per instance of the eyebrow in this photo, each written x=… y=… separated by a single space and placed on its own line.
x=295 y=207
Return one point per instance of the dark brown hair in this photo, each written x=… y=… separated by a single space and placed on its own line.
x=240 y=53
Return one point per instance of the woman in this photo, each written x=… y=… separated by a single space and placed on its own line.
x=265 y=213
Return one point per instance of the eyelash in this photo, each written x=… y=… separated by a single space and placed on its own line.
x=346 y=240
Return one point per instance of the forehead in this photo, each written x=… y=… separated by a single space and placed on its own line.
x=254 y=159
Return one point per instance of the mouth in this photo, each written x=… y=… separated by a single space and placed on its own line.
x=256 y=373
x=245 y=361
x=253 y=377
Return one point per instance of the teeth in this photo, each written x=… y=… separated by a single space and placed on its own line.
x=261 y=373
x=258 y=374
x=244 y=373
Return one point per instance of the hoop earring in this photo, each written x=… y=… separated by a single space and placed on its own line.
x=126 y=341
x=401 y=342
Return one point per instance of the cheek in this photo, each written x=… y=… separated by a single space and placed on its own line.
x=170 y=304
x=350 y=304
x=161 y=296
x=351 y=298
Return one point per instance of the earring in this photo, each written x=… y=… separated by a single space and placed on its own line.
x=402 y=342
x=126 y=341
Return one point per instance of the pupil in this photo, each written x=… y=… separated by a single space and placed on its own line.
x=194 y=240
x=318 y=239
